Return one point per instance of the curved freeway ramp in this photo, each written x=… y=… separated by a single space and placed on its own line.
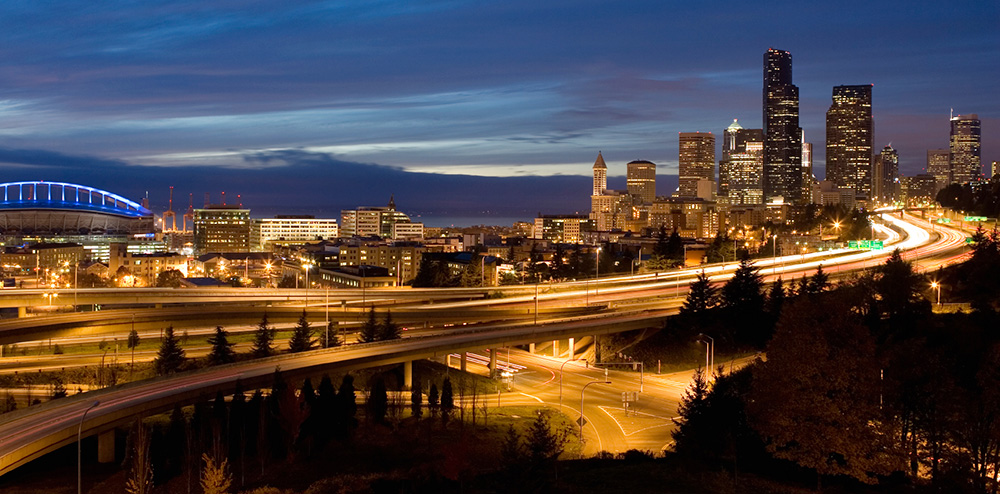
x=30 y=433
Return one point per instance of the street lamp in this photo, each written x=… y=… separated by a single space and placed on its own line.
x=597 y=273
x=49 y=297
x=605 y=381
x=709 y=350
x=774 y=254
x=307 y=267
x=561 y=373
x=79 y=449
x=937 y=286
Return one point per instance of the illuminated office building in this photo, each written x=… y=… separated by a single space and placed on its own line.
x=965 y=151
x=885 y=184
x=938 y=167
x=696 y=161
x=221 y=228
x=642 y=180
x=382 y=222
x=742 y=166
x=782 y=135
x=849 y=138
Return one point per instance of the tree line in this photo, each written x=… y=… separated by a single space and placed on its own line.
x=862 y=384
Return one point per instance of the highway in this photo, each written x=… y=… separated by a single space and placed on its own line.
x=617 y=304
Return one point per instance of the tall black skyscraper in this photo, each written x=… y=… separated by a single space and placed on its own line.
x=782 y=135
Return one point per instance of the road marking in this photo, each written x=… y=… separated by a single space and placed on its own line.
x=627 y=434
x=533 y=397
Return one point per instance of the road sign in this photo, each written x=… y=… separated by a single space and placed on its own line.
x=944 y=220
x=969 y=240
x=975 y=218
x=582 y=421
x=865 y=244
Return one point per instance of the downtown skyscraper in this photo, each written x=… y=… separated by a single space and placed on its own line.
x=696 y=159
x=641 y=180
x=741 y=166
x=782 y=134
x=965 y=153
x=849 y=138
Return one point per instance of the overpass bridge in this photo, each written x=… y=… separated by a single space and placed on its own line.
x=30 y=433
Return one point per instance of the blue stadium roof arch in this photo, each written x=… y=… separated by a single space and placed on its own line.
x=39 y=195
x=60 y=207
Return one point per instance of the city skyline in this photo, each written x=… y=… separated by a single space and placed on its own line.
x=437 y=103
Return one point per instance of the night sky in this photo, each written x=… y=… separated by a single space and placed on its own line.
x=458 y=108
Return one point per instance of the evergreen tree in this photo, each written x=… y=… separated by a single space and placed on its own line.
x=301 y=340
x=389 y=330
x=416 y=400
x=744 y=291
x=432 y=399
x=776 y=298
x=222 y=349
x=378 y=401
x=447 y=400
x=819 y=282
x=558 y=264
x=692 y=412
x=675 y=249
x=133 y=341
x=330 y=338
x=347 y=407
x=701 y=296
x=512 y=451
x=263 y=339
x=899 y=287
x=472 y=275
x=370 y=330
x=170 y=356
x=326 y=409
x=542 y=444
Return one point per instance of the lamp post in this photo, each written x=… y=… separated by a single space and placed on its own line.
x=774 y=254
x=536 y=302
x=937 y=286
x=327 y=306
x=560 y=377
x=79 y=449
x=307 y=267
x=709 y=350
x=597 y=273
x=605 y=381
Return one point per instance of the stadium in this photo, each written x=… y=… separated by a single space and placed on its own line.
x=42 y=209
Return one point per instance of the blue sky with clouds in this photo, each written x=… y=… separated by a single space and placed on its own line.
x=456 y=107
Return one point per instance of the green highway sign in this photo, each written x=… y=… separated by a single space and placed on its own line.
x=865 y=244
x=975 y=218
x=944 y=220
x=968 y=240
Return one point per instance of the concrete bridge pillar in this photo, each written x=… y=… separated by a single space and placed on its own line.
x=531 y=348
x=106 y=447
x=493 y=362
x=572 y=348
x=555 y=348
x=22 y=311
x=408 y=374
x=464 y=361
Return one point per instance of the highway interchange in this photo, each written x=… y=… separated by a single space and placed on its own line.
x=439 y=322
